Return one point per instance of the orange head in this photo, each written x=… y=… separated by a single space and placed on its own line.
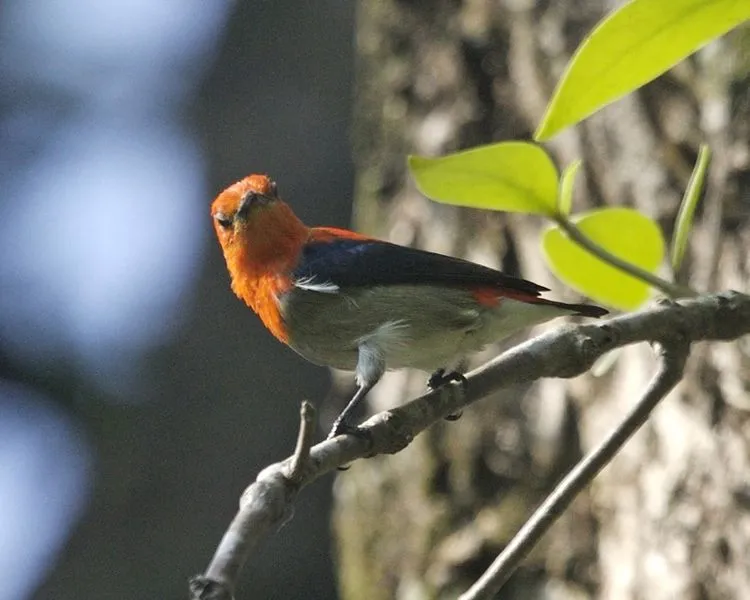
x=261 y=238
x=256 y=229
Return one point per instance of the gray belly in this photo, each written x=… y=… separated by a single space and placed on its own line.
x=431 y=327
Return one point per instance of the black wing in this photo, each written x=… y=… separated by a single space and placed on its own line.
x=357 y=263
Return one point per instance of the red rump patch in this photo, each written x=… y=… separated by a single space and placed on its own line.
x=491 y=297
x=486 y=296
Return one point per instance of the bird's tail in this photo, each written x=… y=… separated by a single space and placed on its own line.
x=581 y=310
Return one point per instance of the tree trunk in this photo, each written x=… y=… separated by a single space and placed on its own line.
x=670 y=518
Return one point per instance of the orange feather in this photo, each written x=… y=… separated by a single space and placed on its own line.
x=261 y=249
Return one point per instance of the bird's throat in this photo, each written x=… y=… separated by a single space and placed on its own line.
x=261 y=260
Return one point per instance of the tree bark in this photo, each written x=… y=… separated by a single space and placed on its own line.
x=670 y=518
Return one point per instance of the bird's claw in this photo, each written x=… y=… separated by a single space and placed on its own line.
x=344 y=428
x=440 y=378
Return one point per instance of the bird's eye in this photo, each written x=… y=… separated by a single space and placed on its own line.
x=223 y=220
x=273 y=189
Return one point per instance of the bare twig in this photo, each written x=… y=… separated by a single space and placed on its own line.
x=267 y=503
x=264 y=507
x=671 y=368
x=304 y=442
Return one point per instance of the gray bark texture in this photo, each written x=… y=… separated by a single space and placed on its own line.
x=670 y=517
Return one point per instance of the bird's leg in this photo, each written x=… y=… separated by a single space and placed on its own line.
x=341 y=424
x=370 y=368
x=440 y=378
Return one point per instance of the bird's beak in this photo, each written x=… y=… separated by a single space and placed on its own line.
x=245 y=204
x=251 y=199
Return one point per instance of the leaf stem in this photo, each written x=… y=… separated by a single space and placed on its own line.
x=668 y=288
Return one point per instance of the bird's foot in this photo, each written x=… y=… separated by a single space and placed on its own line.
x=440 y=378
x=341 y=427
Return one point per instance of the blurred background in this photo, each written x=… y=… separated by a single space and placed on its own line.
x=138 y=396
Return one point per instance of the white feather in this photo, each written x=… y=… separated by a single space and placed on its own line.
x=323 y=287
x=389 y=335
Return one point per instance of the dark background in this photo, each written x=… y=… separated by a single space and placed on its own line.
x=138 y=396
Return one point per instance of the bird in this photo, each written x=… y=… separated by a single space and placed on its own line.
x=349 y=301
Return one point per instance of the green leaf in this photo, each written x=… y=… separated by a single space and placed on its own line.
x=630 y=47
x=684 y=221
x=509 y=176
x=568 y=179
x=626 y=233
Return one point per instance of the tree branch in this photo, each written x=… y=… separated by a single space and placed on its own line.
x=567 y=352
x=669 y=374
x=274 y=491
